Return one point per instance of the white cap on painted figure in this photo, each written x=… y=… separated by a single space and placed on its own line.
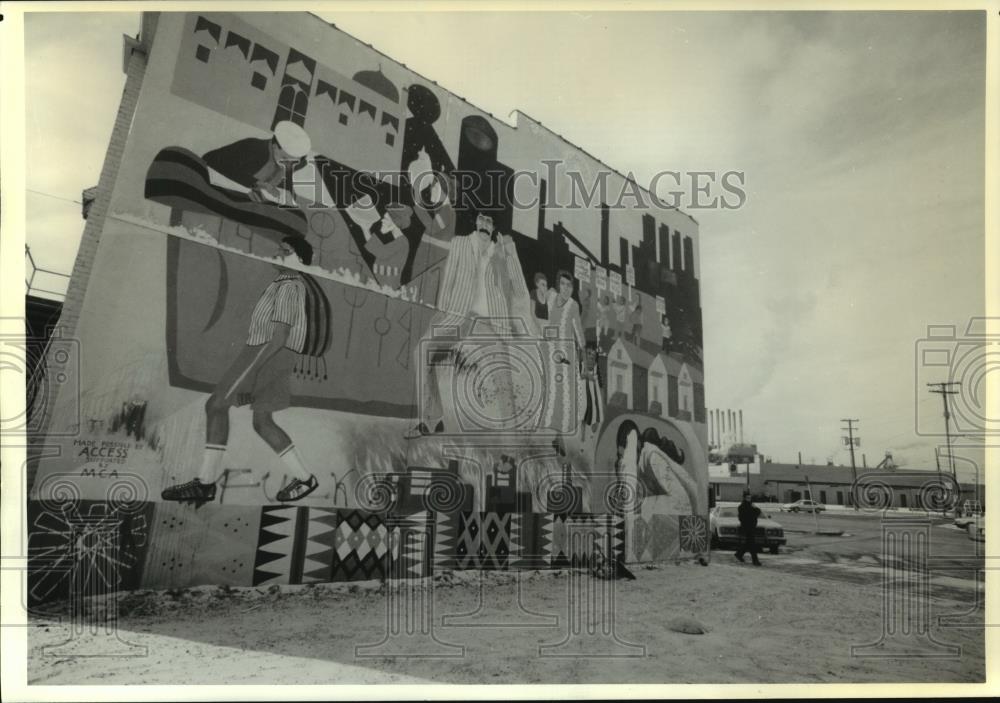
x=292 y=139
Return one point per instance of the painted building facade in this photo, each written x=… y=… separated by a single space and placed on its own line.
x=269 y=161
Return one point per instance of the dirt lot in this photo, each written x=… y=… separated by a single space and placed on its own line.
x=763 y=624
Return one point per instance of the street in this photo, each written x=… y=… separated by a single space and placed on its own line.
x=862 y=553
x=863 y=534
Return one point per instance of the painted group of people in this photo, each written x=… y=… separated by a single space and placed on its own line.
x=483 y=291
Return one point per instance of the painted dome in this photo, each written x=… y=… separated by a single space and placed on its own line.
x=377 y=81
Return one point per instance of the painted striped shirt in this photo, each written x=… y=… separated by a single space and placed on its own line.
x=492 y=273
x=284 y=300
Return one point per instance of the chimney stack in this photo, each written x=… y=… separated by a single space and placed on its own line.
x=741 y=426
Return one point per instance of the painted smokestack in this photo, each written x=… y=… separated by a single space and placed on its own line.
x=741 y=426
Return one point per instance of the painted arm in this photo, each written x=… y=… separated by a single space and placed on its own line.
x=439 y=230
x=240 y=160
x=577 y=327
x=663 y=462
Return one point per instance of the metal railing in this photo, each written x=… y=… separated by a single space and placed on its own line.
x=43 y=282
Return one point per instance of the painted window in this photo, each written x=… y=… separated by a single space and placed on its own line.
x=292 y=105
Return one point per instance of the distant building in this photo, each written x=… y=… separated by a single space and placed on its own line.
x=832 y=484
x=727 y=479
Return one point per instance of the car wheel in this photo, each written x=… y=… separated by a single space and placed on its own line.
x=774 y=550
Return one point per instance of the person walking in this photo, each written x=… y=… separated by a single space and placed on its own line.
x=748 y=514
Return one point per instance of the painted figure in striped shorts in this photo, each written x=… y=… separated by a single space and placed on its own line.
x=261 y=377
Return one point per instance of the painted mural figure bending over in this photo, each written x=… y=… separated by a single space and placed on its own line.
x=262 y=165
x=658 y=465
x=261 y=377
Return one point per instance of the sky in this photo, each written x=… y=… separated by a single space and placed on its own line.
x=861 y=136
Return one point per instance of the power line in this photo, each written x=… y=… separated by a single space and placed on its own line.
x=54 y=197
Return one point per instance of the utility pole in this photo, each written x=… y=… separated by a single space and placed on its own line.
x=937 y=463
x=945 y=392
x=851 y=441
x=813 y=498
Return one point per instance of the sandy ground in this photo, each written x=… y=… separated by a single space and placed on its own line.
x=767 y=624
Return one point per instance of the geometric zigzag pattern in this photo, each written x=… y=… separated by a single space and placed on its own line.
x=483 y=541
x=531 y=540
x=574 y=536
x=275 y=544
x=310 y=545
x=523 y=540
x=445 y=540
x=359 y=547
x=411 y=544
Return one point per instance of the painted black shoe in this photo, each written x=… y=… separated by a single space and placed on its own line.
x=421 y=430
x=193 y=492
x=298 y=489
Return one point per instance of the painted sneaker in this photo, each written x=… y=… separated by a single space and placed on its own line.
x=421 y=430
x=194 y=492
x=298 y=489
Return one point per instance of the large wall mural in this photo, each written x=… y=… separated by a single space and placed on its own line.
x=301 y=298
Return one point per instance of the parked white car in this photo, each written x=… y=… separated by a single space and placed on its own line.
x=805 y=506
x=976 y=529
x=724 y=525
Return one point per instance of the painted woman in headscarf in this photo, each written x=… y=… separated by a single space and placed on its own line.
x=564 y=355
x=658 y=464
